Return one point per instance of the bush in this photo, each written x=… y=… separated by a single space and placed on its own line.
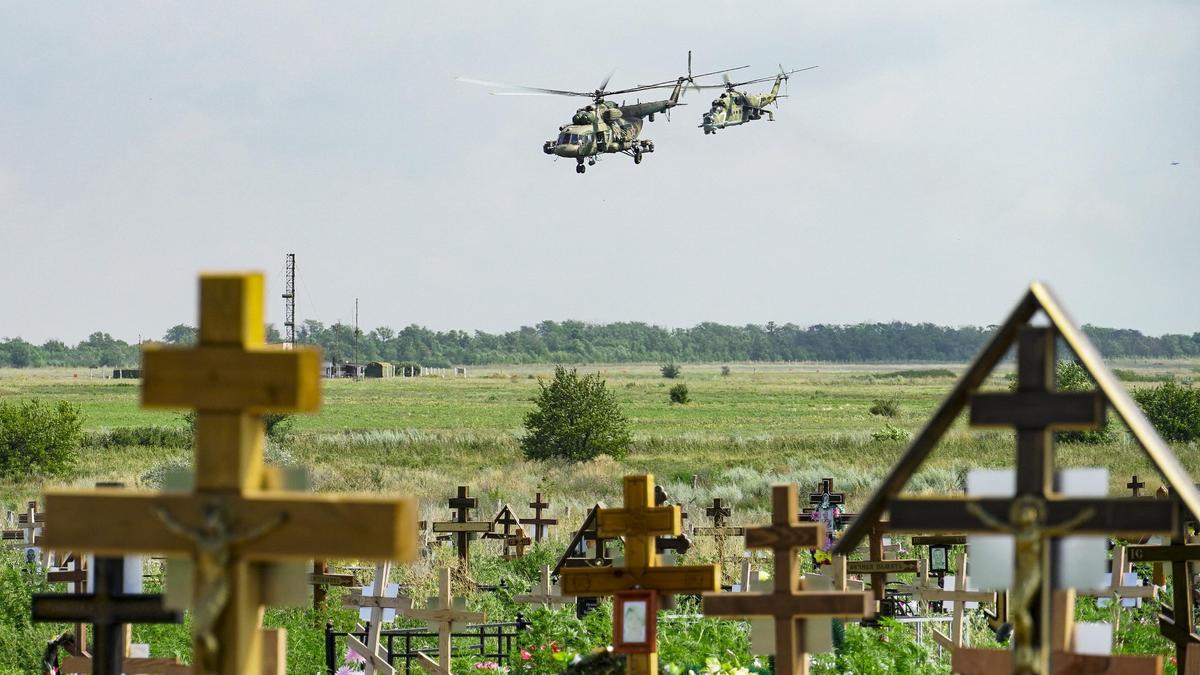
x=277 y=425
x=1128 y=375
x=1173 y=409
x=889 y=432
x=885 y=407
x=679 y=394
x=38 y=438
x=575 y=418
x=725 y=372
x=671 y=370
x=151 y=437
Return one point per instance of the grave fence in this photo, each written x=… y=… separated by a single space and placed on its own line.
x=485 y=641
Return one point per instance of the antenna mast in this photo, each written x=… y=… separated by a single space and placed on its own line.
x=356 y=337
x=289 y=303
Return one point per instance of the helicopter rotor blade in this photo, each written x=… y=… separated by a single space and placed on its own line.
x=540 y=90
x=604 y=83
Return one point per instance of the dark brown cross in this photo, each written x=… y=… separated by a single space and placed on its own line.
x=788 y=603
x=107 y=608
x=1135 y=486
x=1036 y=514
x=321 y=579
x=825 y=487
x=540 y=525
x=877 y=566
x=718 y=512
x=462 y=526
x=1175 y=621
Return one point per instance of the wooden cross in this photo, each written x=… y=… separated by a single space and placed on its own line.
x=788 y=604
x=825 y=487
x=587 y=536
x=1135 y=486
x=541 y=526
x=462 y=526
x=680 y=543
x=443 y=615
x=321 y=578
x=718 y=512
x=1175 y=621
x=1063 y=658
x=75 y=574
x=1036 y=514
x=543 y=594
x=1117 y=591
x=877 y=566
x=376 y=601
x=640 y=523
x=508 y=520
x=32 y=522
x=108 y=609
x=237 y=518
x=959 y=596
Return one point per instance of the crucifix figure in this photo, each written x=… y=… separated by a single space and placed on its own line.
x=462 y=526
x=541 y=526
x=640 y=523
x=238 y=519
x=788 y=604
x=108 y=609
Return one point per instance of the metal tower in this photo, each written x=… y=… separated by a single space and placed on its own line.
x=289 y=303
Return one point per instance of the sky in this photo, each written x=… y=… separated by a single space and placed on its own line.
x=942 y=156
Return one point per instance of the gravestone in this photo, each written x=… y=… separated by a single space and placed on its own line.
x=541 y=525
x=462 y=527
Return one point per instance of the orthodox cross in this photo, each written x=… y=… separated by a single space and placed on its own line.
x=640 y=523
x=1175 y=621
x=321 y=579
x=1064 y=660
x=1135 y=486
x=788 y=604
x=825 y=487
x=1037 y=513
x=542 y=593
x=442 y=614
x=32 y=522
x=376 y=601
x=108 y=609
x=462 y=526
x=588 y=541
x=237 y=518
x=877 y=566
x=508 y=520
x=960 y=595
x=718 y=512
x=541 y=526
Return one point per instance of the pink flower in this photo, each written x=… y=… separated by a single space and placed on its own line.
x=353 y=657
x=345 y=670
x=554 y=647
x=487 y=665
x=525 y=655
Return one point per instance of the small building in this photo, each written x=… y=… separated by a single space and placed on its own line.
x=328 y=369
x=354 y=370
x=127 y=374
x=380 y=369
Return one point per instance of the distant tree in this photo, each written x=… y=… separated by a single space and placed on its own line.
x=671 y=370
x=180 y=334
x=725 y=372
x=679 y=394
x=1173 y=409
x=38 y=438
x=21 y=354
x=575 y=418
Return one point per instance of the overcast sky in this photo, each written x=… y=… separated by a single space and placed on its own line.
x=942 y=156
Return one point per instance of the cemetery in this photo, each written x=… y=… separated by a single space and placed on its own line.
x=234 y=564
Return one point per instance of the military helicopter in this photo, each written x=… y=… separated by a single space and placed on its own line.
x=736 y=107
x=604 y=127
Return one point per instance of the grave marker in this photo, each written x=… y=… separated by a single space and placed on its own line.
x=236 y=518
x=789 y=605
x=1175 y=621
x=543 y=594
x=879 y=567
x=640 y=523
x=374 y=602
x=1135 y=486
x=509 y=536
x=462 y=526
x=1037 y=513
x=443 y=614
x=321 y=579
x=541 y=526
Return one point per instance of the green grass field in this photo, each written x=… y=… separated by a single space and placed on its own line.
x=742 y=432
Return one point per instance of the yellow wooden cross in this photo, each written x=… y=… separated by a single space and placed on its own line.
x=237 y=517
x=639 y=522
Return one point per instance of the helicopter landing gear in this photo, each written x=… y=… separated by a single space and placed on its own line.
x=637 y=156
x=592 y=161
x=580 y=168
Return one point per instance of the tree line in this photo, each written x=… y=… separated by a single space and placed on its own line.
x=580 y=342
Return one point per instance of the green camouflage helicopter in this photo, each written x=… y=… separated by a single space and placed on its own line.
x=605 y=127
x=737 y=107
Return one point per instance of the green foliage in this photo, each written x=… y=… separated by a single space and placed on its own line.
x=1173 y=409
x=21 y=642
x=890 y=432
x=1128 y=375
x=575 y=418
x=38 y=439
x=671 y=370
x=891 y=648
x=146 y=437
x=679 y=394
x=278 y=425
x=885 y=407
x=1072 y=376
x=920 y=373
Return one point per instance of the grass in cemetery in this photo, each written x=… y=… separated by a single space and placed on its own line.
x=737 y=435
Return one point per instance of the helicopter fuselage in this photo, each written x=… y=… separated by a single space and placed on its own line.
x=606 y=127
x=735 y=107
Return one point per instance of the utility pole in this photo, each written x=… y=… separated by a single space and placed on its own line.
x=356 y=338
x=289 y=303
